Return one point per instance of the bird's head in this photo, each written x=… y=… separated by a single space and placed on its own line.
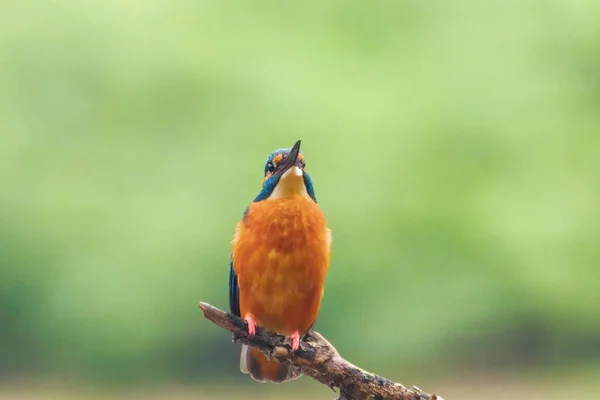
x=284 y=175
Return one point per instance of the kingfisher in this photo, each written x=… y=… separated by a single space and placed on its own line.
x=280 y=256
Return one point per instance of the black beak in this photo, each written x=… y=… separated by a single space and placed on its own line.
x=291 y=159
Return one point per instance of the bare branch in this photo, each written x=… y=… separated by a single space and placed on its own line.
x=318 y=359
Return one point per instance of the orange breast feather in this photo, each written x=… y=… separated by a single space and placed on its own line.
x=281 y=257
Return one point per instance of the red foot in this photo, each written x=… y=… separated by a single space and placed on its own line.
x=251 y=325
x=295 y=339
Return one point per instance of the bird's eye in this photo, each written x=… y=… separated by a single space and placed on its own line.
x=270 y=167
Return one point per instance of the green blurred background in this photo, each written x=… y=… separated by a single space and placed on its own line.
x=454 y=147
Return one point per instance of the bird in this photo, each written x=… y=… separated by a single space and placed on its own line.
x=280 y=256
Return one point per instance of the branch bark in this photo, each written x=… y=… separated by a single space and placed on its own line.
x=318 y=359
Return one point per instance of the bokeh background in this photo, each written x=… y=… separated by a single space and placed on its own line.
x=454 y=147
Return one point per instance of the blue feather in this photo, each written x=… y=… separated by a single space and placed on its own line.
x=309 y=186
x=268 y=188
x=234 y=291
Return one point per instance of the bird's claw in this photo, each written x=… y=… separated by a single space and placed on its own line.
x=251 y=325
x=294 y=338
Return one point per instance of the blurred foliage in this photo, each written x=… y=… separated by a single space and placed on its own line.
x=455 y=149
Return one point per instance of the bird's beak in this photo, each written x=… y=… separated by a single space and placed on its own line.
x=291 y=182
x=291 y=159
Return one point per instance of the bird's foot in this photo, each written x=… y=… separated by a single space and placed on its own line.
x=251 y=325
x=294 y=338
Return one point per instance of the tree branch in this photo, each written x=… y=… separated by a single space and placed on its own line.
x=318 y=359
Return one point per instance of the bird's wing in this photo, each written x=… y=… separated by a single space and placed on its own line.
x=234 y=291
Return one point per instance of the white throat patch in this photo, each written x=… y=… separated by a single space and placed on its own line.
x=291 y=183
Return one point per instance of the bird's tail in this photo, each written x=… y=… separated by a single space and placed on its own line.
x=261 y=369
